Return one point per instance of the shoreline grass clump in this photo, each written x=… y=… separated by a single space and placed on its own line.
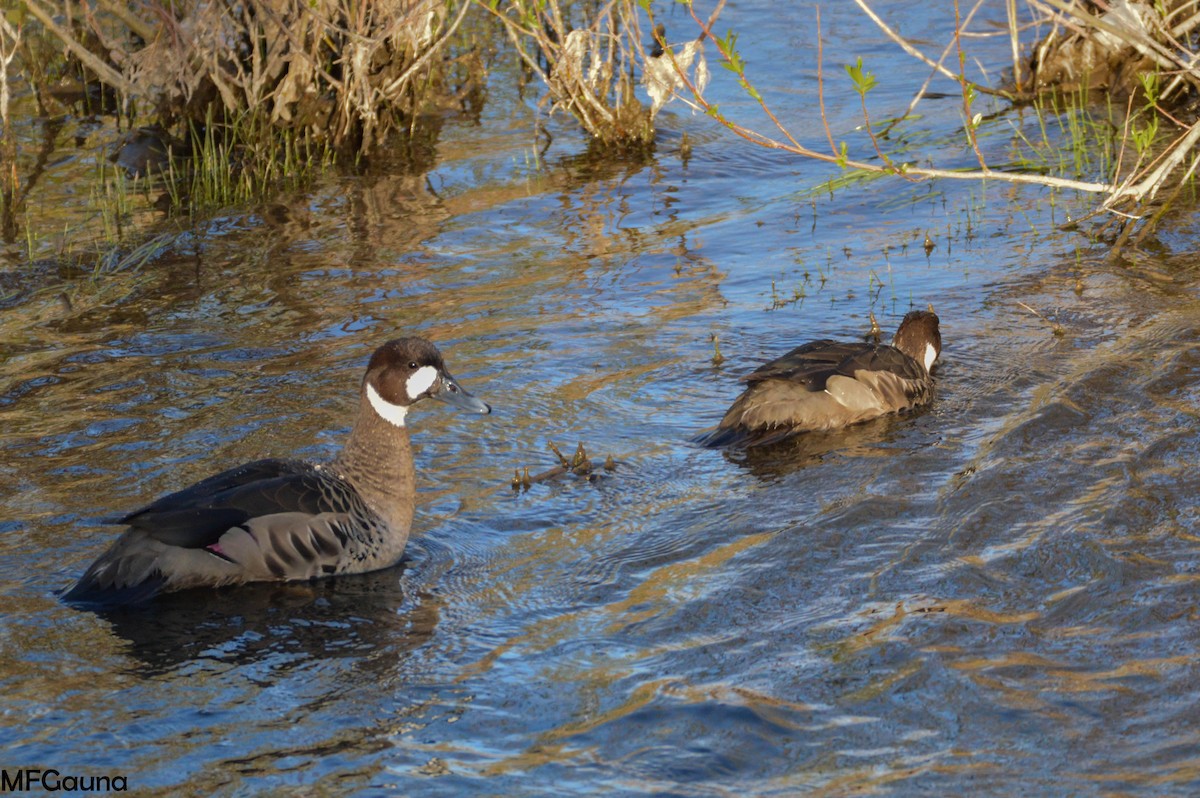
x=342 y=72
x=224 y=104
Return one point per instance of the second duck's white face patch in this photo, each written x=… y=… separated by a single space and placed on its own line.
x=930 y=356
x=420 y=381
x=393 y=414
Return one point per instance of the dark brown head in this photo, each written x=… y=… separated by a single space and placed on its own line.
x=406 y=370
x=919 y=337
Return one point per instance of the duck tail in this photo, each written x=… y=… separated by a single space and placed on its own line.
x=741 y=437
x=112 y=581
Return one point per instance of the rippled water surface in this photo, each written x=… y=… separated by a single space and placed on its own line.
x=997 y=595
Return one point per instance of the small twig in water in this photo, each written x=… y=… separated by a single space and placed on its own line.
x=1055 y=327
x=580 y=465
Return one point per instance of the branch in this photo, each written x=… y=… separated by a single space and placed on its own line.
x=925 y=86
x=913 y=51
x=429 y=51
x=791 y=145
x=821 y=85
x=1161 y=56
x=967 y=87
x=103 y=71
x=122 y=12
x=1148 y=187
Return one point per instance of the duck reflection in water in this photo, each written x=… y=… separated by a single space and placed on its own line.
x=287 y=625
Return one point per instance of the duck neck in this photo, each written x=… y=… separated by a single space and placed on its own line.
x=377 y=460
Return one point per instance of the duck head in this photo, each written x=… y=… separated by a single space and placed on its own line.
x=919 y=337
x=406 y=370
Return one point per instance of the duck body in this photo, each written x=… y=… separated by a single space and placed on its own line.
x=826 y=385
x=283 y=520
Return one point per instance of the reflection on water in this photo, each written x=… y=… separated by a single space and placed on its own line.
x=994 y=595
x=296 y=623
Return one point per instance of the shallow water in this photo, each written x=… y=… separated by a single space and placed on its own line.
x=996 y=594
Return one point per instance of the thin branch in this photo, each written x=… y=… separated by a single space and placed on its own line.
x=103 y=71
x=1161 y=56
x=429 y=51
x=121 y=11
x=883 y=156
x=920 y=94
x=966 y=86
x=712 y=18
x=1014 y=41
x=1148 y=187
x=821 y=85
x=913 y=51
x=706 y=27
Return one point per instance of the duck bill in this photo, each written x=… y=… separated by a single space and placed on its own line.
x=450 y=392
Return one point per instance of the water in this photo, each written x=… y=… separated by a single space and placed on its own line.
x=995 y=595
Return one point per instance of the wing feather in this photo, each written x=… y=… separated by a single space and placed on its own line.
x=270 y=519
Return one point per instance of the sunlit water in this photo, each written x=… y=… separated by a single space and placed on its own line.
x=996 y=595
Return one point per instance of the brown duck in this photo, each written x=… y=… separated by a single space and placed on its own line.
x=281 y=520
x=825 y=385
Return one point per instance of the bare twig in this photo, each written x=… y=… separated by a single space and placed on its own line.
x=913 y=51
x=966 y=86
x=103 y=71
x=920 y=93
x=1010 y=8
x=407 y=74
x=821 y=85
x=1147 y=188
x=7 y=33
x=1160 y=55
x=883 y=156
x=9 y=201
x=121 y=11
x=1055 y=327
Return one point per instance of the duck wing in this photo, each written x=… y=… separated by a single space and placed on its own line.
x=821 y=385
x=812 y=364
x=808 y=365
x=266 y=520
x=198 y=515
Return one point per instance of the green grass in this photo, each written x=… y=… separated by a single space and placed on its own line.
x=242 y=163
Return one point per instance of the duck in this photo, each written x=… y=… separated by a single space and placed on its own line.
x=826 y=385
x=279 y=520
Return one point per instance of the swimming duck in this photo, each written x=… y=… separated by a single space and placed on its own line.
x=282 y=520
x=825 y=385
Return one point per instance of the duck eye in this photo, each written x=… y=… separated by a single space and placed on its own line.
x=412 y=365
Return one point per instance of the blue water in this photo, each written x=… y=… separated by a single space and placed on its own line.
x=993 y=596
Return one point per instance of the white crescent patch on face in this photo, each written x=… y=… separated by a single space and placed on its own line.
x=930 y=356
x=393 y=414
x=420 y=381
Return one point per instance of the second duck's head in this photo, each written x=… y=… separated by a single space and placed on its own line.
x=919 y=337
x=406 y=370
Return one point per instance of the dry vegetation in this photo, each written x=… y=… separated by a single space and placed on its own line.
x=347 y=75
x=346 y=72
x=588 y=64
